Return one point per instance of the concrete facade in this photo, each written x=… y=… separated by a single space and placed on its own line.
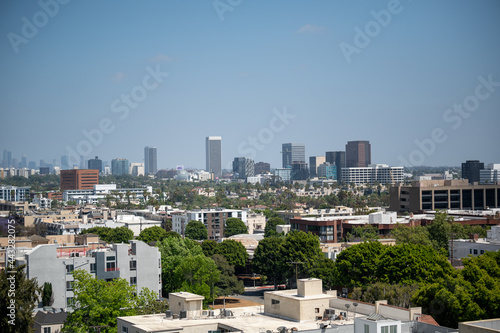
x=184 y=301
x=138 y=263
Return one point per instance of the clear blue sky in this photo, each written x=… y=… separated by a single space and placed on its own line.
x=226 y=76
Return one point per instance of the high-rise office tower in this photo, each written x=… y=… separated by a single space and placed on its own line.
x=293 y=152
x=65 y=162
x=24 y=161
x=150 y=158
x=337 y=158
x=314 y=163
x=7 y=159
x=243 y=167
x=213 y=145
x=79 y=179
x=300 y=171
x=262 y=167
x=471 y=170
x=358 y=154
x=95 y=164
x=119 y=166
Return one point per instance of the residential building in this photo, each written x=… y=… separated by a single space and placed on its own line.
x=358 y=154
x=41 y=202
x=283 y=174
x=95 y=164
x=374 y=173
x=79 y=179
x=150 y=161
x=327 y=171
x=293 y=152
x=338 y=211
x=475 y=246
x=213 y=147
x=243 y=168
x=49 y=322
x=262 y=167
x=136 y=169
x=214 y=220
x=443 y=194
x=490 y=175
x=256 y=223
x=14 y=193
x=480 y=326
x=300 y=171
x=137 y=262
x=471 y=170
x=336 y=158
x=314 y=163
x=119 y=166
x=100 y=191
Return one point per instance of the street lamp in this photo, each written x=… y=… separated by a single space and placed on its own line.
x=347 y=315
x=253 y=279
x=355 y=306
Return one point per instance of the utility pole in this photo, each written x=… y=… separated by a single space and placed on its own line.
x=296 y=276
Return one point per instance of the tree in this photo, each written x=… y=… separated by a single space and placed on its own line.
x=414 y=235
x=152 y=234
x=111 y=235
x=209 y=247
x=356 y=266
x=234 y=252
x=270 y=229
x=440 y=230
x=365 y=233
x=234 y=226
x=196 y=230
x=268 y=259
x=47 y=295
x=25 y=295
x=228 y=283
x=98 y=302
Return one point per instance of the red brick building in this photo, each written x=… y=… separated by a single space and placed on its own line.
x=79 y=179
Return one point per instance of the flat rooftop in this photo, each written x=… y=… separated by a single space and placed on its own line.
x=246 y=319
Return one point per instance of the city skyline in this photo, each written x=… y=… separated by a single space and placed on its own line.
x=419 y=80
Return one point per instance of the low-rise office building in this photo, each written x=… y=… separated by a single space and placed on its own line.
x=374 y=173
x=444 y=194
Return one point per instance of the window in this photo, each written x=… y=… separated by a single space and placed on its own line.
x=111 y=258
x=69 y=285
x=70 y=269
x=384 y=329
x=316 y=310
x=124 y=329
x=475 y=251
x=482 y=251
x=133 y=265
x=47 y=330
x=133 y=280
x=92 y=268
x=367 y=329
x=394 y=329
x=275 y=301
x=110 y=267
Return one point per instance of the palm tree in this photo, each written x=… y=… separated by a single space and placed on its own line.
x=127 y=194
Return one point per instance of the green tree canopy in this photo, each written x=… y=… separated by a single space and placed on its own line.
x=228 y=283
x=268 y=259
x=196 y=230
x=440 y=230
x=152 y=234
x=270 y=229
x=356 y=266
x=234 y=226
x=111 y=235
x=98 y=302
x=209 y=247
x=364 y=233
x=414 y=235
x=234 y=252
x=25 y=295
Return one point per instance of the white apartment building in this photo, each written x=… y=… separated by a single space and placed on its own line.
x=14 y=193
x=100 y=192
x=213 y=218
x=374 y=173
